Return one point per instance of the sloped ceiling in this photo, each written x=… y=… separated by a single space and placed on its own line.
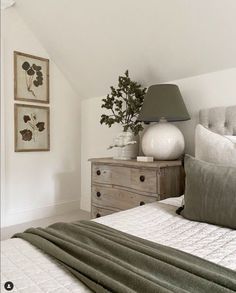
x=94 y=41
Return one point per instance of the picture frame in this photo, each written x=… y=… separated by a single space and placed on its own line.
x=31 y=78
x=32 y=128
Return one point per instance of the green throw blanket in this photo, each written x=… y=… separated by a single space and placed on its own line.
x=107 y=260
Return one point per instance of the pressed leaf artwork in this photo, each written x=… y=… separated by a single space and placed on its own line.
x=31 y=128
x=26 y=134
x=31 y=78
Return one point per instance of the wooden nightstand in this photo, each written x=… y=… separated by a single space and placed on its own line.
x=119 y=185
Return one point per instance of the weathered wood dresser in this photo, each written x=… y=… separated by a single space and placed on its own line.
x=119 y=185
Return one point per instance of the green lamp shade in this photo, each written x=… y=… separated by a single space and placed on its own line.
x=163 y=101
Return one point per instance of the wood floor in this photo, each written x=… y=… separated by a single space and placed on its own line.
x=7 y=232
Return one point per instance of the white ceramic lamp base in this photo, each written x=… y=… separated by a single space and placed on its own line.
x=163 y=141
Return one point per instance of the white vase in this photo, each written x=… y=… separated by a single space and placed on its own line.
x=123 y=151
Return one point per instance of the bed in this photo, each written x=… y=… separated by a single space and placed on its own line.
x=31 y=270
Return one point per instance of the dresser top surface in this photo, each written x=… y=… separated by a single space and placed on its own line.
x=135 y=163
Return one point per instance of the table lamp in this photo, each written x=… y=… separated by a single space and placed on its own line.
x=163 y=103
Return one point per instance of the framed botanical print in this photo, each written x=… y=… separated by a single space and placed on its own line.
x=31 y=78
x=32 y=128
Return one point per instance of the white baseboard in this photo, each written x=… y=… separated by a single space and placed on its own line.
x=14 y=218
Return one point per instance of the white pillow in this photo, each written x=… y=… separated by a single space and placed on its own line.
x=214 y=148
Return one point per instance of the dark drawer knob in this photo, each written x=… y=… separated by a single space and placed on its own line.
x=98 y=215
x=142 y=178
x=142 y=203
x=98 y=194
x=98 y=172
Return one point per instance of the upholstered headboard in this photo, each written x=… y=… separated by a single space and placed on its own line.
x=221 y=120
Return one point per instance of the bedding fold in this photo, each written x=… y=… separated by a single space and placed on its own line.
x=107 y=260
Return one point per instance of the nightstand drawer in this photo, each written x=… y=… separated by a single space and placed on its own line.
x=134 y=178
x=118 y=198
x=97 y=212
x=119 y=185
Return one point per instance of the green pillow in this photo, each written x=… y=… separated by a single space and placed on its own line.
x=210 y=193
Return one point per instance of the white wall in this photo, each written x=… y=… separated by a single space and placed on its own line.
x=203 y=91
x=157 y=40
x=38 y=184
x=96 y=139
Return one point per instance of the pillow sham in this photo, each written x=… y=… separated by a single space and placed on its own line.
x=214 y=148
x=210 y=193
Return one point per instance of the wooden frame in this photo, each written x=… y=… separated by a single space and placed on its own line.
x=22 y=97
x=16 y=113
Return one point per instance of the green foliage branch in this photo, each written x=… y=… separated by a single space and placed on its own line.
x=125 y=103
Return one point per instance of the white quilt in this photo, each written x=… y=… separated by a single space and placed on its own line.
x=32 y=271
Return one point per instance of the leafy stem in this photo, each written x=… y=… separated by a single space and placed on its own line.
x=125 y=103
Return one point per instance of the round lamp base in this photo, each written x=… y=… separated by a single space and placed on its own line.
x=163 y=141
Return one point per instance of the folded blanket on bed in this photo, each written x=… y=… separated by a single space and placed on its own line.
x=107 y=260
